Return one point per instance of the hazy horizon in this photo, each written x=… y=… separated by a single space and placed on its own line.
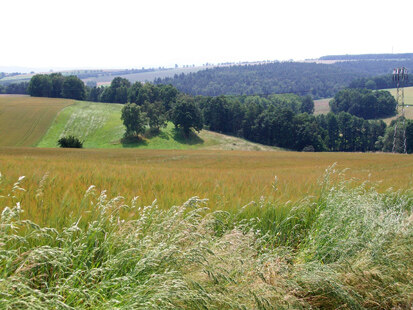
x=47 y=34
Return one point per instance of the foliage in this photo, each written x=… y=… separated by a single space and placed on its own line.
x=350 y=246
x=156 y=115
x=70 y=142
x=364 y=103
x=403 y=129
x=186 y=115
x=134 y=120
x=56 y=85
x=277 y=120
x=15 y=88
x=377 y=82
x=317 y=80
x=73 y=88
x=307 y=105
x=40 y=86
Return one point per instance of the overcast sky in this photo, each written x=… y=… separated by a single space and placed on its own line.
x=132 y=34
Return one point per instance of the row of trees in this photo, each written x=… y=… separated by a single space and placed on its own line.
x=184 y=114
x=56 y=85
x=14 y=88
x=279 y=124
x=122 y=91
x=364 y=103
x=377 y=82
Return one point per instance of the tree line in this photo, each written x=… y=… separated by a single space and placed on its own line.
x=14 y=88
x=364 y=103
x=377 y=82
x=289 y=126
x=56 y=85
x=317 y=80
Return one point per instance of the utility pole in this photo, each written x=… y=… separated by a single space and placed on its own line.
x=400 y=77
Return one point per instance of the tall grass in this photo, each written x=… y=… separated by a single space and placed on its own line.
x=353 y=251
x=229 y=179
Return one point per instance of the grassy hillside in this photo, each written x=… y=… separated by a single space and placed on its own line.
x=99 y=126
x=24 y=120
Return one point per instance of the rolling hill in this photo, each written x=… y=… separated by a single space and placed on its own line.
x=24 y=120
x=31 y=121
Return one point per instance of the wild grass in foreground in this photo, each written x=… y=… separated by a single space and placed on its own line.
x=349 y=248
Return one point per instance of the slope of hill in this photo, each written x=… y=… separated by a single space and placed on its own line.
x=24 y=120
x=99 y=126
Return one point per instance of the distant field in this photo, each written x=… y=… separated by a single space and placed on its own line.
x=408 y=100
x=408 y=94
x=99 y=126
x=321 y=106
x=229 y=179
x=24 y=120
x=145 y=76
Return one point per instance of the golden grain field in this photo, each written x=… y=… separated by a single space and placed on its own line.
x=229 y=179
x=24 y=120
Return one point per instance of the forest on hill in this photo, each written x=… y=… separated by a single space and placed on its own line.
x=317 y=80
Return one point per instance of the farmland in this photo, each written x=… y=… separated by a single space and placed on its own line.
x=321 y=106
x=279 y=250
x=42 y=121
x=24 y=120
x=229 y=179
x=278 y=229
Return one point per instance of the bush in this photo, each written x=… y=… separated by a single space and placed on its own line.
x=70 y=142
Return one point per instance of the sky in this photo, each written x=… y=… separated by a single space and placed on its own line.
x=53 y=34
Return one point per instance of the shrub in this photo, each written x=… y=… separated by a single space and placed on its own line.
x=70 y=142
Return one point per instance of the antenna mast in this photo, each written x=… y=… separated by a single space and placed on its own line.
x=400 y=77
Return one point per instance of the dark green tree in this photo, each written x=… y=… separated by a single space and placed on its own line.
x=73 y=88
x=134 y=120
x=333 y=132
x=364 y=103
x=136 y=94
x=155 y=113
x=40 y=85
x=409 y=137
x=57 y=84
x=307 y=105
x=186 y=115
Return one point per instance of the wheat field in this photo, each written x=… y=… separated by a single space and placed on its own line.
x=24 y=120
x=229 y=179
